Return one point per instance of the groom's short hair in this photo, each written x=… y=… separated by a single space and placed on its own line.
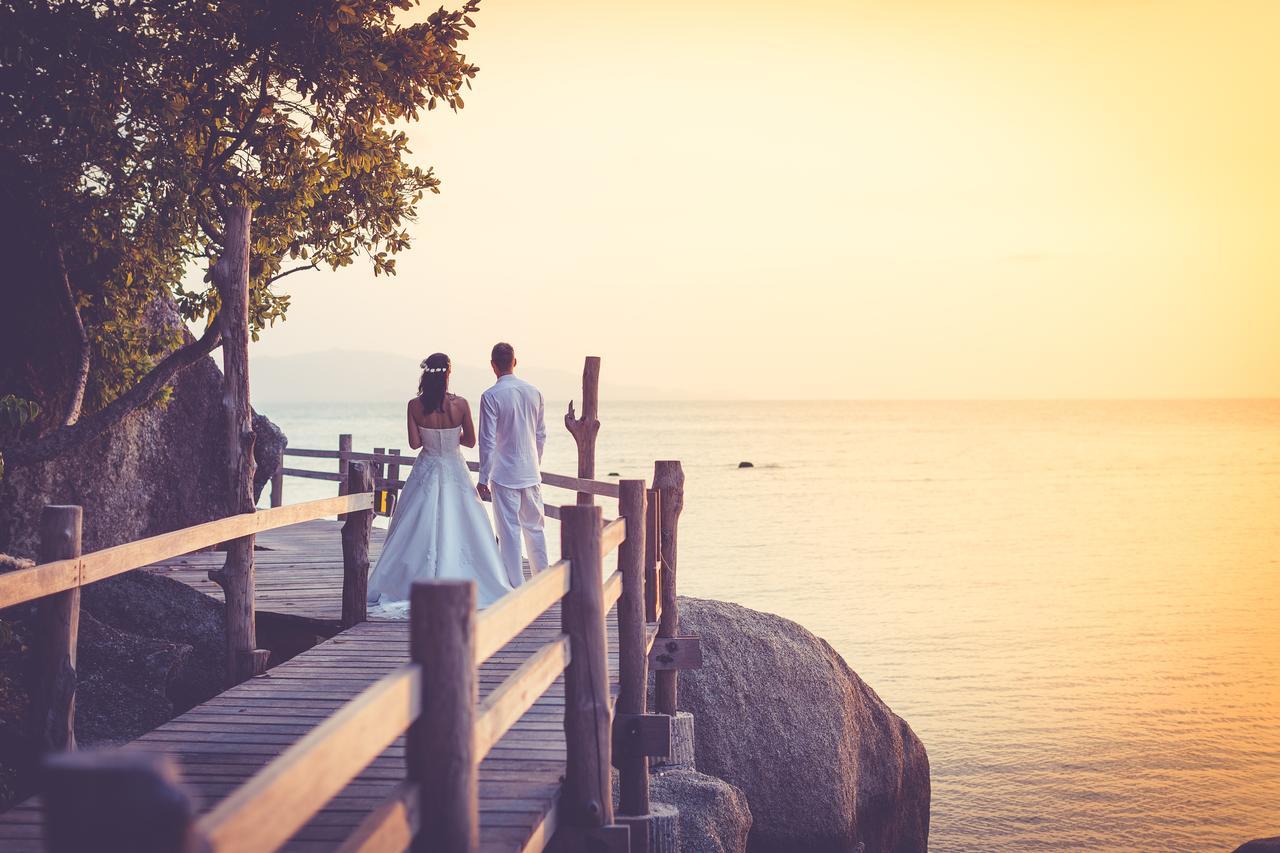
x=503 y=355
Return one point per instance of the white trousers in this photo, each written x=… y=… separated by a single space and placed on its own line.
x=518 y=512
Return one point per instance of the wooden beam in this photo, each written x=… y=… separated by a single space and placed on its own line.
x=441 y=747
x=390 y=827
x=515 y=611
x=585 y=428
x=58 y=630
x=116 y=799
x=586 y=801
x=637 y=736
x=675 y=653
x=668 y=478
x=612 y=535
x=355 y=549
x=633 y=672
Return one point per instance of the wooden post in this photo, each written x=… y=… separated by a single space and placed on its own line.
x=344 y=448
x=377 y=466
x=586 y=801
x=355 y=549
x=393 y=471
x=668 y=479
x=116 y=799
x=633 y=659
x=54 y=714
x=231 y=278
x=277 y=486
x=652 y=557
x=440 y=749
x=585 y=428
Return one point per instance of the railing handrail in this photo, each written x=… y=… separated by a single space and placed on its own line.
x=600 y=488
x=45 y=579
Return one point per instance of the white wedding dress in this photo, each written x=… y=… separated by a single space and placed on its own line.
x=439 y=531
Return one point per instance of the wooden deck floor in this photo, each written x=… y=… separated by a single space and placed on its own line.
x=298 y=568
x=223 y=742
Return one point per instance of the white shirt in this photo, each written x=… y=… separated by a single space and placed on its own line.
x=512 y=433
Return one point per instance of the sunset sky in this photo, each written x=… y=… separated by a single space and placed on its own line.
x=917 y=198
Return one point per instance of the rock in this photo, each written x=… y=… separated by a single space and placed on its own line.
x=153 y=472
x=745 y=465
x=1261 y=845
x=714 y=817
x=269 y=442
x=10 y=563
x=123 y=682
x=822 y=760
x=163 y=609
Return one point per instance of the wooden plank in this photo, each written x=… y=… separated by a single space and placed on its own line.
x=270 y=807
x=509 y=701
x=512 y=613
x=612 y=589
x=123 y=558
x=332 y=476
x=319 y=454
x=390 y=827
x=38 y=581
x=612 y=535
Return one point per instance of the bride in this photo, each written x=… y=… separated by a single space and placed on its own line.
x=439 y=529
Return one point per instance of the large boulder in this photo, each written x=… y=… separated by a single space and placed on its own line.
x=122 y=682
x=269 y=442
x=166 y=610
x=1260 y=845
x=714 y=816
x=824 y=763
x=157 y=470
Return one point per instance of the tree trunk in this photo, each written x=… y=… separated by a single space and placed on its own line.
x=231 y=278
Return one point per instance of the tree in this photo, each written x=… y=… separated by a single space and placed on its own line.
x=128 y=131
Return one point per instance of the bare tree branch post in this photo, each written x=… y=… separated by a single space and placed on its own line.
x=585 y=428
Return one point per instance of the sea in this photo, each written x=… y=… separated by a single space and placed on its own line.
x=1074 y=604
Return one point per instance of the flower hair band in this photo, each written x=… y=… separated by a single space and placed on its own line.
x=426 y=369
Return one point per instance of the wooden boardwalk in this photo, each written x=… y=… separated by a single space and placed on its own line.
x=299 y=569
x=223 y=742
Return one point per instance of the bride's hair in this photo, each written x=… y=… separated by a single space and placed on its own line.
x=434 y=382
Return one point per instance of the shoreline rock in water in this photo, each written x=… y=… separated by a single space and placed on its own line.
x=824 y=763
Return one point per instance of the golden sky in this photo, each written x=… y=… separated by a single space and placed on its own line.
x=899 y=198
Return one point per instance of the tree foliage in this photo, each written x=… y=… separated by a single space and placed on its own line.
x=129 y=127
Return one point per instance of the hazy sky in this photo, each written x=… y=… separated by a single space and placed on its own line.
x=901 y=198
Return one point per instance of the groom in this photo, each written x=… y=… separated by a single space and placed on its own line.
x=512 y=434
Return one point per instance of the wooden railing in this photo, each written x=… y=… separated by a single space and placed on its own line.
x=434 y=698
x=386 y=477
x=63 y=570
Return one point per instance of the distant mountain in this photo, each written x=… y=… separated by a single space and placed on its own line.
x=367 y=376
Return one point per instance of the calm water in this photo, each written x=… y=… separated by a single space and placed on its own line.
x=1073 y=604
